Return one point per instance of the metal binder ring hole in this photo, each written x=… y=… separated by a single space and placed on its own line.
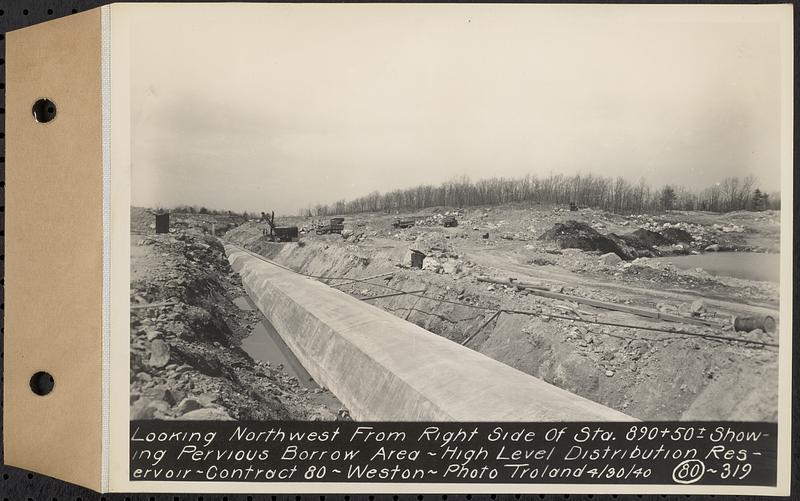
x=42 y=383
x=44 y=110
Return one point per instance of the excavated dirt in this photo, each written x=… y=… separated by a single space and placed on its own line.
x=186 y=361
x=638 y=243
x=577 y=235
x=676 y=236
x=648 y=375
x=647 y=238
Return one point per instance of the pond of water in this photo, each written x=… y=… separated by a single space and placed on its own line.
x=746 y=265
x=265 y=344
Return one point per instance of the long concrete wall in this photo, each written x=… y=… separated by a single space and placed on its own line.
x=384 y=368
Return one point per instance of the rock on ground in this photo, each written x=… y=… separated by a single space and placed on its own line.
x=207 y=414
x=610 y=259
x=159 y=353
x=432 y=264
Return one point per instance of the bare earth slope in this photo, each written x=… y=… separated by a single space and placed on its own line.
x=186 y=361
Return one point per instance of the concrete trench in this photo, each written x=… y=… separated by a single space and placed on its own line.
x=384 y=368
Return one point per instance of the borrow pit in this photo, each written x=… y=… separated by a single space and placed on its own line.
x=647 y=375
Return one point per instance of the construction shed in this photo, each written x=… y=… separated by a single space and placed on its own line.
x=162 y=222
x=417 y=258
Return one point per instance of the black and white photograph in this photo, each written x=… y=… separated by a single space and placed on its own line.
x=397 y=249
x=455 y=215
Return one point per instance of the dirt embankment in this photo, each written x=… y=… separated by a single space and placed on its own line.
x=649 y=375
x=185 y=359
x=143 y=222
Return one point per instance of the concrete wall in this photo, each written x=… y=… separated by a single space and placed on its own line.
x=386 y=369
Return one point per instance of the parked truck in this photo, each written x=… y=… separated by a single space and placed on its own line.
x=450 y=222
x=403 y=223
x=335 y=225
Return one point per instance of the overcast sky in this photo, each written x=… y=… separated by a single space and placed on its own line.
x=276 y=107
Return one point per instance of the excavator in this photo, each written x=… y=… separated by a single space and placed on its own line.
x=279 y=233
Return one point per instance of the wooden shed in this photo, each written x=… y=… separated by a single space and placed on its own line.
x=162 y=222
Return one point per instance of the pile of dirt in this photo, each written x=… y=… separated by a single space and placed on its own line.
x=631 y=247
x=185 y=355
x=577 y=235
x=646 y=238
x=677 y=235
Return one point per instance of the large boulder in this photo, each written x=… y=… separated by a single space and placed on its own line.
x=432 y=264
x=159 y=353
x=160 y=393
x=188 y=405
x=610 y=259
x=141 y=409
x=451 y=267
x=698 y=307
x=207 y=414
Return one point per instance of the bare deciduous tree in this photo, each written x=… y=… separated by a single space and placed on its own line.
x=615 y=195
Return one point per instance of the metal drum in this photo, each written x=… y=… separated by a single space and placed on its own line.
x=746 y=324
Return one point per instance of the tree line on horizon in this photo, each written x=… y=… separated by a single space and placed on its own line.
x=194 y=209
x=616 y=195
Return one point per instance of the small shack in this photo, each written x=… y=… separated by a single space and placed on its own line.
x=417 y=258
x=162 y=221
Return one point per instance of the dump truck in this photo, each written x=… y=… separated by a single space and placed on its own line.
x=403 y=223
x=335 y=225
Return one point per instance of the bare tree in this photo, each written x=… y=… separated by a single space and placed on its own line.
x=615 y=195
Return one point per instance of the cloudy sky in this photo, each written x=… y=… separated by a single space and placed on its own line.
x=258 y=107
